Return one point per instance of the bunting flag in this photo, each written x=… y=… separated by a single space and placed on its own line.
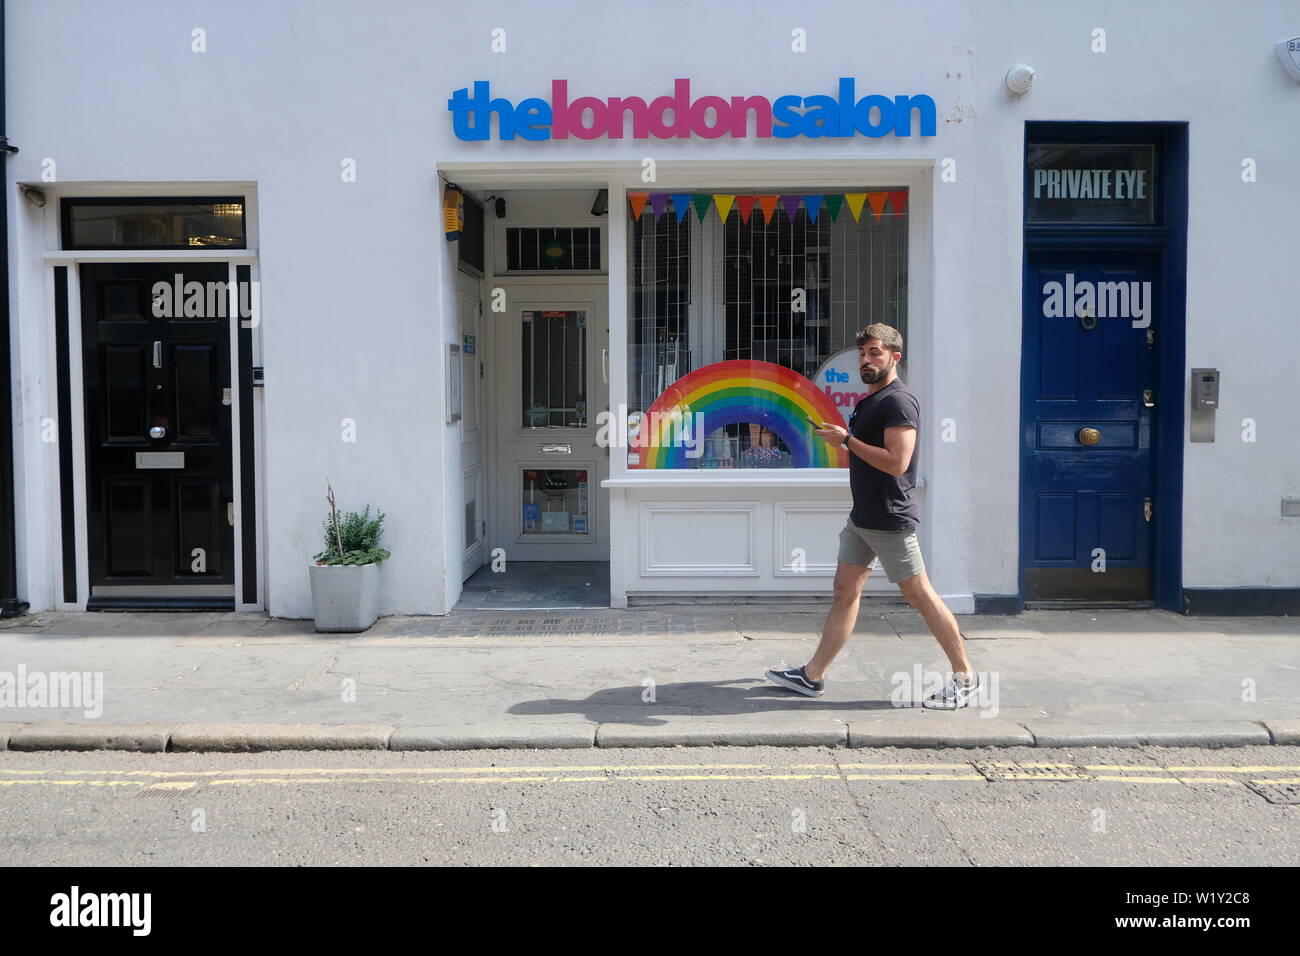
x=638 y=203
x=877 y=201
x=790 y=202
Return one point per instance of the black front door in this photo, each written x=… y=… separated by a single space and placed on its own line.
x=158 y=434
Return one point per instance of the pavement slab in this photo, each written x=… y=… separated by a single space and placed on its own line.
x=678 y=675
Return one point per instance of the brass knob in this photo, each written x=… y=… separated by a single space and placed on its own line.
x=1089 y=436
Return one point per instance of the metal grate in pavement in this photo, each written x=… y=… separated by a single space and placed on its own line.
x=1284 y=794
x=169 y=788
x=1014 y=770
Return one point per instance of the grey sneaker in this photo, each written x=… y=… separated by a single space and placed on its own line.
x=955 y=694
x=795 y=679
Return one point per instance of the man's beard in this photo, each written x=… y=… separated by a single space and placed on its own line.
x=870 y=378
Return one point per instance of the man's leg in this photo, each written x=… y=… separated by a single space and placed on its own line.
x=849 y=579
x=939 y=619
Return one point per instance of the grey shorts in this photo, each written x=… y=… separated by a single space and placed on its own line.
x=899 y=552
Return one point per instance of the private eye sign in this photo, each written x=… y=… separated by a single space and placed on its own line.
x=1091 y=183
x=784 y=117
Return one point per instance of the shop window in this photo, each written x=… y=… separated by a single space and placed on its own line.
x=740 y=326
x=154 y=223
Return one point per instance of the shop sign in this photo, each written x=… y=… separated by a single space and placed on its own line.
x=1090 y=183
x=783 y=117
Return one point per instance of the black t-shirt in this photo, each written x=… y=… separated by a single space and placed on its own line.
x=881 y=501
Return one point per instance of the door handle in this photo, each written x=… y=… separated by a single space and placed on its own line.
x=157 y=432
x=604 y=366
x=157 y=354
x=1148 y=398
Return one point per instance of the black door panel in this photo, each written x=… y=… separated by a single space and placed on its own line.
x=157 y=501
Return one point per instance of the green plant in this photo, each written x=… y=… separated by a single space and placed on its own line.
x=351 y=538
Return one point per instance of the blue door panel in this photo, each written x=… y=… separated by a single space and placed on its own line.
x=1117 y=533
x=1055 y=527
x=1058 y=357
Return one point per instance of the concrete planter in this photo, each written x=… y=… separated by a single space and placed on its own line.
x=344 y=597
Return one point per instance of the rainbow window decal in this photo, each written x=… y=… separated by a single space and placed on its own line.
x=732 y=392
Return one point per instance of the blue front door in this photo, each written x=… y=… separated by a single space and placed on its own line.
x=1087 y=509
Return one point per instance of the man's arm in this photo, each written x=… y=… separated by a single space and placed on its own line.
x=893 y=459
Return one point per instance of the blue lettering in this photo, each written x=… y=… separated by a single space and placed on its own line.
x=783 y=112
x=862 y=116
x=903 y=107
x=534 y=116
x=822 y=119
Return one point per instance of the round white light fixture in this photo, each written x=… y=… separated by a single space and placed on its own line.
x=1019 y=79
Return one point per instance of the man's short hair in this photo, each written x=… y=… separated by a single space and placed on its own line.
x=889 y=336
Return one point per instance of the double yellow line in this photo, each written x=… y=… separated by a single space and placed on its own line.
x=1010 y=771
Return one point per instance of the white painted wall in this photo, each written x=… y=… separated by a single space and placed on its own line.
x=358 y=297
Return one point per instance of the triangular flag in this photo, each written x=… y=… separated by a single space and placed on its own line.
x=812 y=204
x=723 y=202
x=899 y=201
x=768 y=205
x=855 y=201
x=746 y=204
x=701 y=202
x=681 y=201
x=791 y=204
x=877 y=201
x=833 y=203
x=659 y=202
x=638 y=203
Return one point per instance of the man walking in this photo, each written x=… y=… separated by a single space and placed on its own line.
x=881 y=440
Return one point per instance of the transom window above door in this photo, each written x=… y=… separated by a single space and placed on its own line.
x=135 y=222
x=553 y=249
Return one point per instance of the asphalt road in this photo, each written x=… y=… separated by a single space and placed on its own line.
x=681 y=806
